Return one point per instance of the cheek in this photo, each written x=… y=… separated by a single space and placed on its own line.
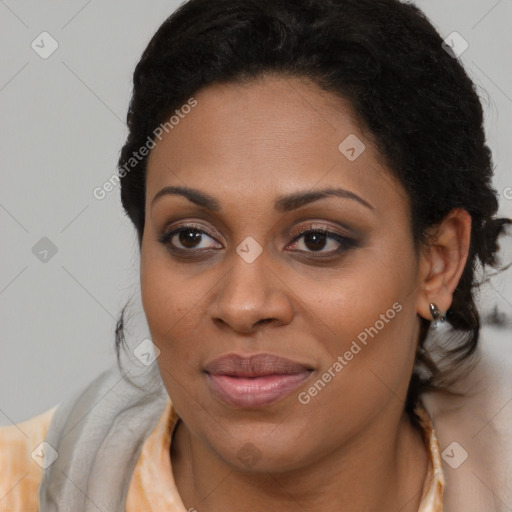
x=168 y=309
x=167 y=298
x=369 y=364
x=175 y=299
x=373 y=316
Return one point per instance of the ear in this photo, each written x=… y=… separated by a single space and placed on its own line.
x=442 y=262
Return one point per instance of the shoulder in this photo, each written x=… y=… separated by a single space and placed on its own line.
x=22 y=458
x=473 y=428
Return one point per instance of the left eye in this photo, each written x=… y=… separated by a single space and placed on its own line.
x=318 y=239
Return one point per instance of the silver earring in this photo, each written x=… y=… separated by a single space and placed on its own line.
x=437 y=316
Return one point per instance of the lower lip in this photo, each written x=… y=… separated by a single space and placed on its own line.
x=255 y=392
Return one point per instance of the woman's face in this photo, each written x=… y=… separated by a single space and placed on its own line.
x=238 y=276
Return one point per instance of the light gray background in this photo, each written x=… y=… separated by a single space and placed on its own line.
x=61 y=131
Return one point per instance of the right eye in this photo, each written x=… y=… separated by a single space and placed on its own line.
x=186 y=239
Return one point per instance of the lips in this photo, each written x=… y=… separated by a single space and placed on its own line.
x=255 y=381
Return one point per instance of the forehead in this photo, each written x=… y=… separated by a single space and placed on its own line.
x=265 y=138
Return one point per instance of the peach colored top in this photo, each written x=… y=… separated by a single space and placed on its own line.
x=152 y=487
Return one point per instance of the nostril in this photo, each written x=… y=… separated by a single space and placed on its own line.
x=265 y=320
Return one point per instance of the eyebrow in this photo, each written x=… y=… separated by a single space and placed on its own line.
x=282 y=204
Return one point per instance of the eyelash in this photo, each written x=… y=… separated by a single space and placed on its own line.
x=345 y=242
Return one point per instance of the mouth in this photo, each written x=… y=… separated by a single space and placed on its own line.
x=256 y=381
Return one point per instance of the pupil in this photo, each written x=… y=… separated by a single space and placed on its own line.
x=189 y=236
x=317 y=239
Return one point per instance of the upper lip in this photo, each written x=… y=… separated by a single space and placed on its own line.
x=257 y=365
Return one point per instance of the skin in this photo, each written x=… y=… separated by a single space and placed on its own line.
x=352 y=447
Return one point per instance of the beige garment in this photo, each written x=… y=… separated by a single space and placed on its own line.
x=20 y=465
x=152 y=487
x=475 y=430
x=433 y=488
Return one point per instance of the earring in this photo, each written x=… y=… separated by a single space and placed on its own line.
x=437 y=316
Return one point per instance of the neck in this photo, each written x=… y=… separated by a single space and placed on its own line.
x=382 y=469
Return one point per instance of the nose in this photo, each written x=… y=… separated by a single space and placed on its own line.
x=250 y=295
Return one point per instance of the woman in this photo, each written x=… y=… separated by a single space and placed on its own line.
x=311 y=190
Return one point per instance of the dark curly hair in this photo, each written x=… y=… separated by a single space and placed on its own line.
x=413 y=98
